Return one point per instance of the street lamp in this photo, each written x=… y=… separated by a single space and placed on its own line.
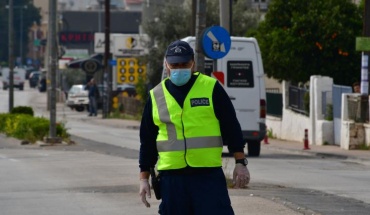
x=20 y=31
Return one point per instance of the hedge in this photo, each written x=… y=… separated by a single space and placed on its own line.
x=27 y=127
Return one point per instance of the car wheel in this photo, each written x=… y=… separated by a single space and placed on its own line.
x=254 y=148
x=80 y=109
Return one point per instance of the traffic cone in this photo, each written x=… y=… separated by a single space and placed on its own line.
x=305 y=140
x=266 y=139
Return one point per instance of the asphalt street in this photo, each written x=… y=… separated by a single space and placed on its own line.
x=99 y=174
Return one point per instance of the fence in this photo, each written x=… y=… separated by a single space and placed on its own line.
x=274 y=102
x=131 y=105
x=272 y=90
x=296 y=100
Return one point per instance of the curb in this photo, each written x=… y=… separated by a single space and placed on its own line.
x=318 y=154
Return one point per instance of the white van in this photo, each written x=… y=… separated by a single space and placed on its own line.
x=241 y=73
x=19 y=76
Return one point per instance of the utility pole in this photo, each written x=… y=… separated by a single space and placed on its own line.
x=200 y=26
x=225 y=14
x=100 y=2
x=21 y=35
x=52 y=60
x=365 y=55
x=225 y=6
x=107 y=74
x=193 y=17
x=11 y=57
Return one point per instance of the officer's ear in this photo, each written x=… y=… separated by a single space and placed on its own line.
x=167 y=68
x=193 y=66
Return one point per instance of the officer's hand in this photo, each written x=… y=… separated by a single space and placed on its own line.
x=241 y=176
x=145 y=191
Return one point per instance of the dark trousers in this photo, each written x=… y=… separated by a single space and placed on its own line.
x=195 y=194
x=92 y=105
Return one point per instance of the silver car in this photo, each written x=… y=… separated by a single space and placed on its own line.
x=78 y=98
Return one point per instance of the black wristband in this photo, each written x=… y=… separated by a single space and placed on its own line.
x=243 y=161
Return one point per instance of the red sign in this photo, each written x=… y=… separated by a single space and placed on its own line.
x=219 y=75
x=76 y=37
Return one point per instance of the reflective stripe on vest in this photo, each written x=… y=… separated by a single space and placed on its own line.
x=184 y=140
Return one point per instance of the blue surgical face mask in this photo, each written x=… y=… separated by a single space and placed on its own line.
x=180 y=77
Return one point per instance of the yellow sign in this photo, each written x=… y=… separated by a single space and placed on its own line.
x=130 y=42
x=129 y=70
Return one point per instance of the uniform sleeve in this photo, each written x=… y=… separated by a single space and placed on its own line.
x=148 y=135
x=230 y=128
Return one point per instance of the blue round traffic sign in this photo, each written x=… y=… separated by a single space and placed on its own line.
x=215 y=42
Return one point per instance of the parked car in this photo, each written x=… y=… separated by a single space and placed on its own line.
x=128 y=88
x=34 y=78
x=18 y=78
x=29 y=70
x=78 y=98
x=42 y=82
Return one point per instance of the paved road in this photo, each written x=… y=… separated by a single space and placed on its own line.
x=99 y=175
x=282 y=183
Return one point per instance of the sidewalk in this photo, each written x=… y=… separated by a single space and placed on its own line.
x=329 y=151
x=332 y=151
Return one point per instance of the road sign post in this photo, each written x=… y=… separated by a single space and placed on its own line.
x=215 y=43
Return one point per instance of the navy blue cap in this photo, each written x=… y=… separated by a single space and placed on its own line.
x=179 y=52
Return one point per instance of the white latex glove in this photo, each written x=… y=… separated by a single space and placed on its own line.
x=145 y=191
x=241 y=176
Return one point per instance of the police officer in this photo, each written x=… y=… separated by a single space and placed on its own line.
x=185 y=122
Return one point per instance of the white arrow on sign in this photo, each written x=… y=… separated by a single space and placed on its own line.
x=216 y=42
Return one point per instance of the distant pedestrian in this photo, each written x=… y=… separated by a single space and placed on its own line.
x=186 y=119
x=93 y=97
x=356 y=87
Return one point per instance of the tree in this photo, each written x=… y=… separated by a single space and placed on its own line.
x=303 y=38
x=31 y=15
x=173 y=22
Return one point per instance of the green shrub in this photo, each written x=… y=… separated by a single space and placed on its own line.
x=363 y=146
x=3 y=119
x=306 y=102
x=21 y=125
x=270 y=133
x=11 y=123
x=40 y=128
x=26 y=127
x=329 y=112
x=22 y=110
x=62 y=131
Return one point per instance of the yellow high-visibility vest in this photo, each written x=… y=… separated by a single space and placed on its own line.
x=188 y=136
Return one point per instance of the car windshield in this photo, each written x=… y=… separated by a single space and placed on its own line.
x=35 y=75
x=76 y=89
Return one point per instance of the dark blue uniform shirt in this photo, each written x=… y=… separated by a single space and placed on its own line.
x=224 y=110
